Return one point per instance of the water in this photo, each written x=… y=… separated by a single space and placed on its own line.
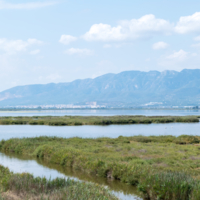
x=112 y=131
x=19 y=164
x=100 y=112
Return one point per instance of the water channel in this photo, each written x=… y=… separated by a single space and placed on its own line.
x=38 y=167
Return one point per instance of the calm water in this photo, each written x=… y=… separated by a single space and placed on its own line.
x=102 y=112
x=17 y=163
x=112 y=131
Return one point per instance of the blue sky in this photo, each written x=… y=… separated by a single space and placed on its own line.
x=60 y=41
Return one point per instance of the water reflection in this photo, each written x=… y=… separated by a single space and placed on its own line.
x=38 y=167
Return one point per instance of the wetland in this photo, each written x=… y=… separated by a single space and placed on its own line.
x=126 y=157
x=143 y=162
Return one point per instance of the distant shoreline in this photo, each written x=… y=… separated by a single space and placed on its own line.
x=57 y=109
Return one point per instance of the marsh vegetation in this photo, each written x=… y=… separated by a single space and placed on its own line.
x=162 y=167
x=95 y=120
x=24 y=186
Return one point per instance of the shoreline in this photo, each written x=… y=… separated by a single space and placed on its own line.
x=62 y=109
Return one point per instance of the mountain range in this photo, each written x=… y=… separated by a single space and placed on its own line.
x=133 y=88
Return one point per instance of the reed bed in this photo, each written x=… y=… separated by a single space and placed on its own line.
x=170 y=186
x=95 y=120
x=155 y=164
x=25 y=186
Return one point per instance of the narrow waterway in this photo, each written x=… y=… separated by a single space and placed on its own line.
x=38 y=167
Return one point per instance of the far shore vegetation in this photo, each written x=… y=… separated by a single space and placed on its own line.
x=162 y=167
x=95 y=120
x=17 y=186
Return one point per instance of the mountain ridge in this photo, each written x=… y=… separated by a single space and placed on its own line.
x=126 y=88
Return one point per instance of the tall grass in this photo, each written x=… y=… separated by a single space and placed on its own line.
x=25 y=186
x=170 y=186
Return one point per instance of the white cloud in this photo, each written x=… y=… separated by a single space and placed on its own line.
x=179 y=55
x=160 y=45
x=104 y=32
x=179 y=60
x=34 y=52
x=13 y=46
x=66 y=39
x=30 y=5
x=86 y=52
x=189 y=24
x=144 y=27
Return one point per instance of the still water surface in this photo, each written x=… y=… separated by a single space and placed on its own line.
x=19 y=164
x=100 y=112
x=112 y=131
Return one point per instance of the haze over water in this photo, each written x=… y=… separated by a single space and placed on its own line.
x=101 y=112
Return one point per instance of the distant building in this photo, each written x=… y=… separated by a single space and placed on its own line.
x=92 y=103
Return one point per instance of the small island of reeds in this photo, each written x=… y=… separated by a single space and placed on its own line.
x=95 y=120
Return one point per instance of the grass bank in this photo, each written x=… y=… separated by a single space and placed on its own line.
x=25 y=186
x=95 y=120
x=162 y=167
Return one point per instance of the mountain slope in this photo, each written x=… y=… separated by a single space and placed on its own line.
x=129 y=87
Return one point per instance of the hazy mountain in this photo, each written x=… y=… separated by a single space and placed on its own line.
x=129 y=87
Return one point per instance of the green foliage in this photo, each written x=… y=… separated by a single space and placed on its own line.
x=95 y=120
x=169 y=186
x=186 y=139
x=161 y=166
x=25 y=186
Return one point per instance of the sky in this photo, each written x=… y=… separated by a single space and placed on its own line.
x=64 y=40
